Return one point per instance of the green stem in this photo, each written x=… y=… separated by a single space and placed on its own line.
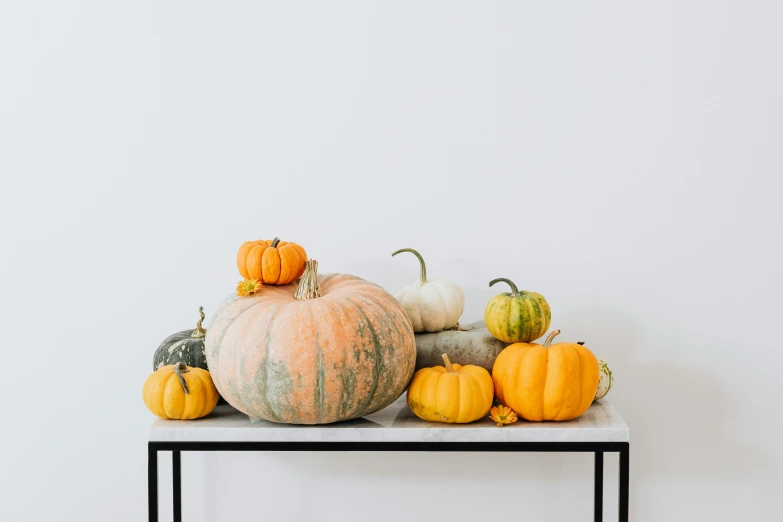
x=275 y=241
x=421 y=262
x=514 y=290
x=550 y=337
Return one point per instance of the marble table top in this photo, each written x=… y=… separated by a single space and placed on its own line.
x=396 y=423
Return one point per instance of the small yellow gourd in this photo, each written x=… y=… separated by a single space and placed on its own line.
x=180 y=392
x=452 y=394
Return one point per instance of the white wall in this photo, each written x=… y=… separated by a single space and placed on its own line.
x=624 y=159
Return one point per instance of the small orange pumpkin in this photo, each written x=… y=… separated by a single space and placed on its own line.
x=272 y=262
x=451 y=393
x=180 y=392
x=550 y=382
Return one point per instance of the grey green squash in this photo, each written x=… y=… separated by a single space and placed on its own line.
x=186 y=347
x=468 y=344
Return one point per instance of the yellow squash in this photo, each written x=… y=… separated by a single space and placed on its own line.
x=453 y=394
x=180 y=392
x=517 y=317
x=550 y=382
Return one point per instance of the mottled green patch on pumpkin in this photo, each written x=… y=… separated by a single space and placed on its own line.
x=416 y=407
x=376 y=355
x=261 y=378
x=279 y=390
x=318 y=395
x=348 y=379
x=391 y=389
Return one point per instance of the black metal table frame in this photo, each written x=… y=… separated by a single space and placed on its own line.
x=598 y=448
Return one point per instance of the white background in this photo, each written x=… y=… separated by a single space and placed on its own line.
x=622 y=158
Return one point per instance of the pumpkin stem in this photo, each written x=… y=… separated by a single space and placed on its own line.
x=449 y=367
x=308 y=287
x=199 y=332
x=550 y=337
x=423 y=280
x=275 y=241
x=514 y=289
x=179 y=369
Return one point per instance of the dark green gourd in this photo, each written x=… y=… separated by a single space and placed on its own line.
x=186 y=346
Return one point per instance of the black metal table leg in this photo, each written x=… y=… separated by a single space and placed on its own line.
x=598 y=502
x=598 y=449
x=624 y=479
x=176 y=472
x=152 y=482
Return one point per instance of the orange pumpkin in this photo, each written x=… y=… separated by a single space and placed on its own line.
x=272 y=262
x=180 y=392
x=334 y=347
x=550 y=382
x=451 y=393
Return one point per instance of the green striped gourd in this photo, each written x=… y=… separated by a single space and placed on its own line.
x=517 y=317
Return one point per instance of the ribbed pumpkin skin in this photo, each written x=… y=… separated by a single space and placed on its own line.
x=340 y=356
x=542 y=384
x=438 y=395
x=272 y=265
x=181 y=347
x=164 y=396
x=518 y=318
x=432 y=306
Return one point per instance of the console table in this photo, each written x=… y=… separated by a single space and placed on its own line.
x=395 y=428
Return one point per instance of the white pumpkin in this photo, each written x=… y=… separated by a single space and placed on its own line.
x=432 y=306
x=605 y=380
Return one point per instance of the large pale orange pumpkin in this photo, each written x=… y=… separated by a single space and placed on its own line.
x=550 y=382
x=333 y=348
x=272 y=262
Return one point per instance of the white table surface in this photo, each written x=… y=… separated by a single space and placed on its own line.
x=396 y=423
